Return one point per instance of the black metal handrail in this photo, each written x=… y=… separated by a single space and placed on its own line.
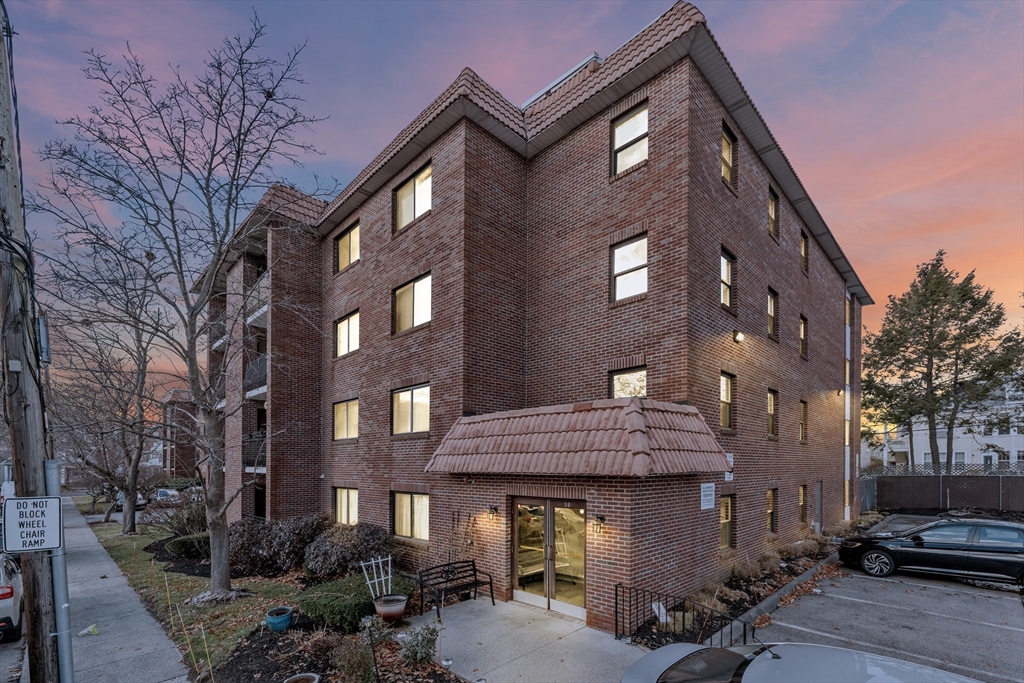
x=256 y=296
x=255 y=372
x=254 y=450
x=659 y=619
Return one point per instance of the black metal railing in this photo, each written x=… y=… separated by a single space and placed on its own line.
x=255 y=372
x=218 y=329
x=254 y=450
x=654 y=619
x=256 y=295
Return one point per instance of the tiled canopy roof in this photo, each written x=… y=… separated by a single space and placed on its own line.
x=625 y=437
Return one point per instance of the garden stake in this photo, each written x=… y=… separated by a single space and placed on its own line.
x=133 y=558
x=185 y=631
x=170 y=610
x=209 y=664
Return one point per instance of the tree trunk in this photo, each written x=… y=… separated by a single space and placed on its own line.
x=130 y=496
x=216 y=509
x=110 y=511
x=910 y=443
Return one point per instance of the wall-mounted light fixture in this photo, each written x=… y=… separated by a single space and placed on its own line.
x=598 y=523
x=492 y=511
x=839 y=392
x=737 y=336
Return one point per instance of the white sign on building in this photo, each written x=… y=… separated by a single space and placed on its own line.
x=707 y=496
x=32 y=524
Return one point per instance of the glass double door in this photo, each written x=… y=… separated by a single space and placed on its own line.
x=550 y=554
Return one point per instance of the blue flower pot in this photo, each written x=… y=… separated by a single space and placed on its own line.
x=279 y=618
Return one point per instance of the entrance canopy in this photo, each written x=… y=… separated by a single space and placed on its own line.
x=622 y=437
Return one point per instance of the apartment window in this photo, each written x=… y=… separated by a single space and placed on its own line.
x=1020 y=458
x=725 y=396
x=803 y=336
x=347 y=334
x=725 y=522
x=630 y=139
x=346 y=420
x=770 y=522
x=773 y=213
x=803 y=420
x=846 y=492
x=847 y=372
x=410 y=410
x=412 y=304
x=958 y=458
x=728 y=155
x=412 y=515
x=346 y=248
x=728 y=266
x=346 y=506
x=987 y=429
x=849 y=312
x=629 y=268
x=801 y=500
x=629 y=383
x=803 y=252
x=847 y=423
x=412 y=198
x=773 y=426
x=773 y=320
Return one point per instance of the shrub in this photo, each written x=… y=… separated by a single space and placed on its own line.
x=769 y=561
x=340 y=549
x=341 y=604
x=193 y=547
x=421 y=645
x=181 y=483
x=187 y=520
x=261 y=548
x=353 y=661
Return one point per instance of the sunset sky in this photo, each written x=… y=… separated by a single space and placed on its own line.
x=904 y=120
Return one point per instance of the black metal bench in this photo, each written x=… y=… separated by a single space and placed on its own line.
x=452 y=578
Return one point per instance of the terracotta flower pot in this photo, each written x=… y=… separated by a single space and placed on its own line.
x=391 y=608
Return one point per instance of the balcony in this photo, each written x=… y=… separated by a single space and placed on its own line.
x=218 y=333
x=256 y=298
x=254 y=453
x=255 y=381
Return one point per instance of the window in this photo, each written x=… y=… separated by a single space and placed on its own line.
x=346 y=420
x=346 y=334
x=803 y=336
x=803 y=252
x=773 y=213
x=629 y=268
x=847 y=429
x=412 y=516
x=630 y=139
x=773 y=320
x=346 y=248
x=773 y=426
x=846 y=493
x=847 y=372
x=412 y=198
x=849 y=313
x=770 y=524
x=629 y=383
x=410 y=410
x=725 y=522
x=1007 y=538
x=728 y=155
x=946 y=534
x=801 y=501
x=958 y=457
x=346 y=506
x=803 y=420
x=725 y=396
x=412 y=304
x=1020 y=458
x=728 y=261
x=987 y=429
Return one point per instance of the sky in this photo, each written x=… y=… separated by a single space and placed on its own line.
x=904 y=120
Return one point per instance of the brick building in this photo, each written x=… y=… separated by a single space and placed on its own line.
x=453 y=347
x=177 y=440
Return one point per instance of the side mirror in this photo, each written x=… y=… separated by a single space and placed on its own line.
x=917 y=539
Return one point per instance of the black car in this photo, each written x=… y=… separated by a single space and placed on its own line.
x=974 y=548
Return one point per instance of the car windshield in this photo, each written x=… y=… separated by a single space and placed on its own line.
x=713 y=665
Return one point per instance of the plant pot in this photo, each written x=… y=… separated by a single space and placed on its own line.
x=391 y=608
x=279 y=618
x=303 y=678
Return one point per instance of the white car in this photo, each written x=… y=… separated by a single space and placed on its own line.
x=12 y=601
x=166 y=496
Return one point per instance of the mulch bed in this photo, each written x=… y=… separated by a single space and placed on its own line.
x=179 y=565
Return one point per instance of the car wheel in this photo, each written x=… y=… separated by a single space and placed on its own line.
x=877 y=563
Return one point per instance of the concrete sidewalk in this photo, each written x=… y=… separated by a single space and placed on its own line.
x=516 y=642
x=131 y=645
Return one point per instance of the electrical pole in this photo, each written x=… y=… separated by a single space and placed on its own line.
x=21 y=376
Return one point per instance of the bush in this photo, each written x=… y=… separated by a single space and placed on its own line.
x=353 y=661
x=261 y=548
x=193 y=547
x=342 y=604
x=187 y=520
x=421 y=645
x=181 y=483
x=340 y=549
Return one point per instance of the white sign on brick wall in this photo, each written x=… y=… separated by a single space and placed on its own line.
x=728 y=475
x=707 y=496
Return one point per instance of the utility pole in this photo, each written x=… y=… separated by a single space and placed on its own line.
x=21 y=376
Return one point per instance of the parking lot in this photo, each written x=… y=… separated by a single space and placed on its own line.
x=947 y=624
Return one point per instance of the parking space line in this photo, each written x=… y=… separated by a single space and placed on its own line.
x=921 y=611
x=988 y=593
x=987 y=675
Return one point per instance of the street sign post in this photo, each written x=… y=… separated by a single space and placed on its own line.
x=32 y=524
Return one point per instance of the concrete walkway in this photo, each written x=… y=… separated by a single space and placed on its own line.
x=131 y=645
x=513 y=642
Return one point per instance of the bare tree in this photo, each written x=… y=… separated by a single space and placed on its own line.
x=164 y=179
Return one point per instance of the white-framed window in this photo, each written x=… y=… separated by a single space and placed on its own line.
x=958 y=457
x=410 y=410
x=629 y=268
x=773 y=213
x=346 y=248
x=803 y=421
x=346 y=506
x=412 y=198
x=773 y=400
x=412 y=515
x=346 y=334
x=629 y=383
x=728 y=264
x=629 y=145
x=728 y=155
x=804 y=249
x=773 y=315
x=346 y=419
x=412 y=303
x=725 y=537
x=725 y=386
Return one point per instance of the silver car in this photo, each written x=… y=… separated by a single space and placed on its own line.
x=774 y=662
x=12 y=602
